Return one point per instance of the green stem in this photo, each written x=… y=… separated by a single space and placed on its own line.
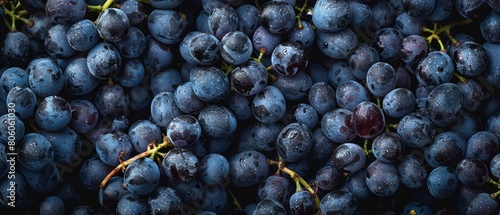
x=235 y=200
x=460 y=78
x=297 y=184
x=107 y=4
x=365 y=148
x=495 y=195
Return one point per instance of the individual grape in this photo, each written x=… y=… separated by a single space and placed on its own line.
x=337 y=45
x=470 y=59
x=13 y=77
x=412 y=172
x=240 y=106
x=383 y=15
x=111 y=101
x=474 y=93
x=276 y=187
x=104 y=60
x=380 y=79
x=361 y=14
x=190 y=192
x=495 y=5
x=331 y=15
x=43 y=181
x=214 y=199
x=408 y=25
x=493 y=125
x=199 y=48
x=180 y=164
x=217 y=121
x=78 y=79
x=16 y=48
x=329 y=178
x=295 y=87
x=113 y=146
x=82 y=210
x=348 y=157
x=361 y=59
x=337 y=125
x=306 y=114
x=142 y=176
x=185 y=99
x=132 y=204
x=289 y=58
x=339 y=73
x=222 y=20
x=41 y=25
x=303 y=35
x=294 y=142
x=339 y=201
x=482 y=145
x=249 y=78
x=461 y=38
x=403 y=79
x=443 y=104
x=265 y=135
x=167 y=34
x=442 y=182
x=382 y=178
x=413 y=49
x=66 y=144
x=113 y=24
x=418 y=8
x=277 y=17
x=214 y=169
x=472 y=9
x=16 y=123
x=52 y=205
x=268 y=105
x=442 y=9
x=387 y=42
x=24 y=100
x=53 y=113
x=269 y=206
x=368 y=120
x=184 y=130
x=131 y=74
x=142 y=132
x=217 y=145
x=56 y=42
x=45 y=77
x=165 y=81
x=133 y=44
x=204 y=80
x=248 y=168
x=236 y=47
x=120 y=123
x=472 y=172
x=489 y=27
x=322 y=97
x=65 y=12
x=301 y=202
x=164 y=200
x=140 y=99
x=417 y=207
x=202 y=22
x=136 y=11
x=84 y=116
x=466 y=125
x=164 y=109
x=157 y=56
x=350 y=93
x=248 y=18
x=399 y=102
x=482 y=203
x=388 y=147
x=82 y=35
x=356 y=184
x=111 y=193
x=416 y=130
x=447 y=150
x=92 y=172
x=495 y=166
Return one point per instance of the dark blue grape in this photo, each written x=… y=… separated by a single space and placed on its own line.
x=164 y=200
x=82 y=210
x=180 y=165
x=92 y=172
x=361 y=59
x=412 y=172
x=435 y=68
x=472 y=172
x=276 y=187
x=79 y=80
x=356 y=184
x=190 y=192
x=403 y=78
x=387 y=42
x=185 y=99
x=184 y=130
x=470 y=59
x=348 y=157
x=380 y=79
x=104 y=60
x=339 y=73
x=167 y=34
x=264 y=41
x=133 y=44
x=322 y=148
x=269 y=206
x=399 y=102
x=215 y=199
x=142 y=132
x=495 y=5
x=214 y=169
x=306 y=114
x=383 y=15
x=217 y=121
x=442 y=9
x=14 y=122
x=222 y=20
x=337 y=125
x=165 y=81
x=339 y=201
x=295 y=87
x=413 y=49
x=277 y=17
x=248 y=78
x=337 y=45
x=248 y=168
x=388 y=147
x=289 y=58
x=268 y=105
x=489 y=27
x=203 y=84
x=482 y=203
x=475 y=10
x=447 y=150
x=443 y=104
x=142 y=176
x=140 y=99
x=202 y=22
x=236 y=47
x=132 y=204
x=239 y=105
x=12 y=77
x=331 y=15
x=111 y=101
x=303 y=35
x=166 y=4
x=408 y=25
x=467 y=124
x=52 y=205
x=495 y=166
x=82 y=35
x=112 y=24
x=45 y=77
x=442 y=182
x=322 y=97
x=350 y=93
x=66 y=144
x=131 y=74
x=53 y=113
x=416 y=130
x=329 y=178
x=157 y=56
x=65 y=12
x=294 y=142
x=301 y=202
x=460 y=38
x=474 y=93
x=418 y=8
x=361 y=14
x=482 y=145
x=382 y=178
x=42 y=181
x=111 y=193
x=41 y=25
x=199 y=48
x=16 y=48
x=56 y=42
x=24 y=100
x=113 y=146
x=136 y=11
x=266 y=134
x=248 y=18
x=84 y=116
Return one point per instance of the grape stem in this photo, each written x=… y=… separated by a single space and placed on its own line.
x=365 y=148
x=296 y=177
x=152 y=149
x=262 y=52
x=495 y=195
x=461 y=79
x=100 y=8
x=299 y=15
x=436 y=31
x=235 y=200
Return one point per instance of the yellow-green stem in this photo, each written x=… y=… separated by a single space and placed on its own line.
x=302 y=182
x=235 y=200
x=460 y=78
x=365 y=148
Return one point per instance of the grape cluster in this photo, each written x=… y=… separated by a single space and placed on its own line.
x=250 y=107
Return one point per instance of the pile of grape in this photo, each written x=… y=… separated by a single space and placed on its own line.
x=253 y=107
